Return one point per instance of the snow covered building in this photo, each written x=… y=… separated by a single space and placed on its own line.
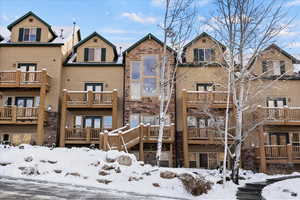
x=58 y=88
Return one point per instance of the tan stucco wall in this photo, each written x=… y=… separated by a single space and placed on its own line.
x=45 y=33
x=74 y=78
x=189 y=53
x=49 y=58
x=91 y=44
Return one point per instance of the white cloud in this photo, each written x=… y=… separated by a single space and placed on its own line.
x=6 y=18
x=157 y=3
x=203 y=2
x=294 y=45
x=138 y=18
x=293 y=3
x=288 y=33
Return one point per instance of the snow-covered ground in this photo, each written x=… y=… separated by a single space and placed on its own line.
x=82 y=165
x=287 y=189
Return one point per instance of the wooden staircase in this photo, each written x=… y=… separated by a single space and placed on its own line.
x=125 y=138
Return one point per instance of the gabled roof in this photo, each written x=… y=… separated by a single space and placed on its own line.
x=204 y=34
x=147 y=37
x=274 y=46
x=102 y=38
x=30 y=13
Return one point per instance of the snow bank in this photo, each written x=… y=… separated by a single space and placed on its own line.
x=93 y=167
x=287 y=189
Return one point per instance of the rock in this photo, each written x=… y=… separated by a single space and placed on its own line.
x=167 y=174
x=294 y=194
x=285 y=190
x=103 y=173
x=85 y=177
x=146 y=173
x=105 y=181
x=108 y=167
x=21 y=147
x=28 y=159
x=58 y=171
x=43 y=161
x=110 y=160
x=241 y=178
x=21 y=168
x=196 y=185
x=221 y=181
x=142 y=163
x=155 y=184
x=52 y=161
x=96 y=164
x=73 y=174
x=125 y=160
x=4 y=163
x=134 y=178
x=30 y=171
x=118 y=170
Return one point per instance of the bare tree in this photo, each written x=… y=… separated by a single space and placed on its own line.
x=177 y=27
x=246 y=28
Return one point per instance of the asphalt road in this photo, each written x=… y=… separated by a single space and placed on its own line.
x=27 y=189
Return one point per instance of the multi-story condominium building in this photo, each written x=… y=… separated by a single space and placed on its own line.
x=57 y=88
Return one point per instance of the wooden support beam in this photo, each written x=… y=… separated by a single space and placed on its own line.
x=185 y=131
x=88 y=135
x=63 y=119
x=101 y=138
x=290 y=153
x=18 y=77
x=115 y=109
x=263 y=164
x=105 y=140
x=14 y=114
x=41 y=115
x=171 y=164
x=90 y=98
x=141 y=145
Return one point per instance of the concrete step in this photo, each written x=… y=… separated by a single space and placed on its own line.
x=249 y=189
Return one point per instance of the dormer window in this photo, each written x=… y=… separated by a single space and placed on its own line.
x=29 y=34
x=94 y=54
x=274 y=67
x=204 y=55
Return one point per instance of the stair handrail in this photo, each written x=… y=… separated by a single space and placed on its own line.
x=118 y=129
x=121 y=135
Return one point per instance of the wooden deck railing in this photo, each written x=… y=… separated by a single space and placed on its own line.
x=285 y=114
x=83 y=134
x=154 y=131
x=296 y=151
x=206 y=134
x=14 y=114
x=24 y=79
x=90 y=98
x=205 y=97
x=282 y=152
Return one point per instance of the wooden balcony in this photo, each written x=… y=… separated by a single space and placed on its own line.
x=18 y=115
x=117 y=138
x=206 y=136
x=282 y=153
x=280 y=116
x=82 y=135
x=211 y=99
x=18 y=79
x=91 y=99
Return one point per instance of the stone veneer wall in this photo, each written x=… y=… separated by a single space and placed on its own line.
x=51 y=129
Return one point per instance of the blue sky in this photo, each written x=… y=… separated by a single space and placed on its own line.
x=122 y=22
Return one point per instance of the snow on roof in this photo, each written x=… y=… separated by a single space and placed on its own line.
x=64 y=33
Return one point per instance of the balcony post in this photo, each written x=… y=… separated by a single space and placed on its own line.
x=44 y=77
x=141 y=145
x=18 y=77
x=101 y=140
x=14 y=114
x=263 y=165
x=290 y=152
x=63 y=119
x=184 y=132
x=120 y=142
x=105 y=140
x=88 y=134
x=114 y=109
x=41 y=115
x=90 y=98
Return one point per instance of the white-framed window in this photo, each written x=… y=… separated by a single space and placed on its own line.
x=204 y=55
x=276 y=102
x=30 y=34
x=134 y=120
x=144 y=77
x=95 y=54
